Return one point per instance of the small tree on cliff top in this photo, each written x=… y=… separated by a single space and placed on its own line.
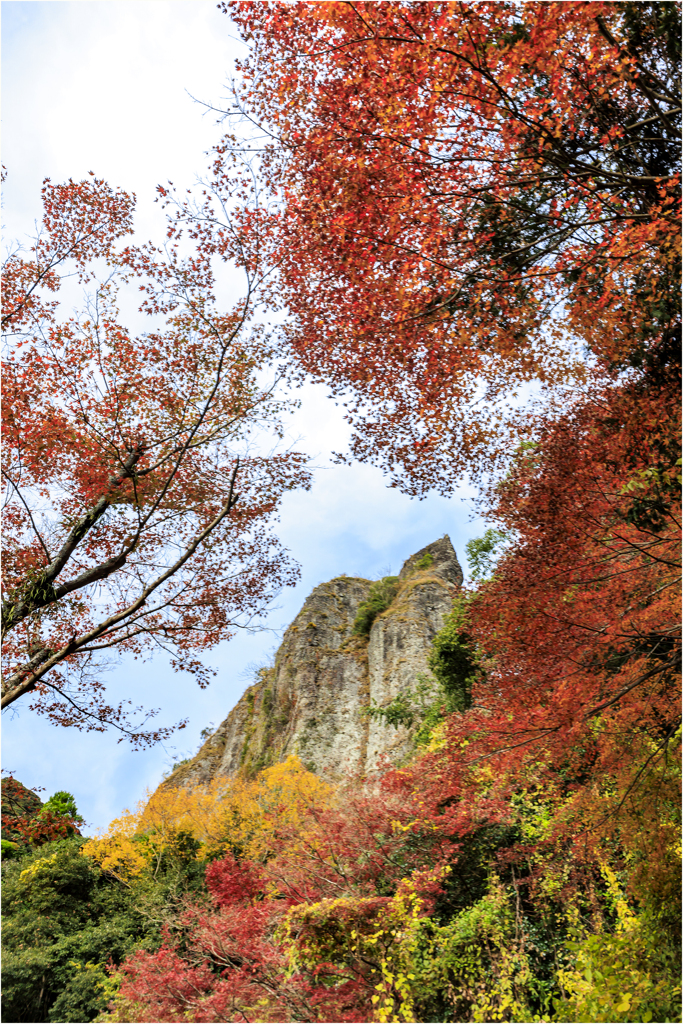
x=136 y=516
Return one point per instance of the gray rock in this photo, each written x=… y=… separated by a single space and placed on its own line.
x=311 y=701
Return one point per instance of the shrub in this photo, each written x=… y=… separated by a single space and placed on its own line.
x=453 y=659
x=9 y=849
x=382 y=593
x=63 y=919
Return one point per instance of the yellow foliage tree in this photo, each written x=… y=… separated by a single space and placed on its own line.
x=235 y=814
x=620 y=974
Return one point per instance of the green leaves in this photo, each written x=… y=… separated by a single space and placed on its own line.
x=63 y=804
x=483 y=553
x=63 y=920
x=454 y=659
x=382 y=593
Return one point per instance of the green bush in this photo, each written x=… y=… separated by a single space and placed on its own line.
x=63 y=919
x=85 y=995
x=453 y=659
x=629 y=972
x=382 y=593
x=426 y=561
x=475 y=966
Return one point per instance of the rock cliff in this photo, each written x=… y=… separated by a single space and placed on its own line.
x=310 y=701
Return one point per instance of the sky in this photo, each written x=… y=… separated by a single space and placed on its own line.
x=107 y=86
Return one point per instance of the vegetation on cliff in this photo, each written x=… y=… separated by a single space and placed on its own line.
x=382 y=593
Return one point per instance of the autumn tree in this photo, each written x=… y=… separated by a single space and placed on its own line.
x=138 y=509
x=227 y=814
x=287 y=889
x=484 y=197
x=469 y=199
x=581 y=620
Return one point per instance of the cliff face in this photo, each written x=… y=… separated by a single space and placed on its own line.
x=310 y=702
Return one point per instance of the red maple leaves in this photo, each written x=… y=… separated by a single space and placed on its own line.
x=137 y=513
x=469 y=196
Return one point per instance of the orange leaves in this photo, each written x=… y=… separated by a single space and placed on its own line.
x=81 y=220
x=137 y=518
x=582 y=619
x=459 y=199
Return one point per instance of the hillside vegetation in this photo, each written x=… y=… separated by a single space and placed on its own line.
x=459 y=887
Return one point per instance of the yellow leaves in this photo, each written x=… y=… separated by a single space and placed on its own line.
x=398 y=826
x=626 y=919
x=292 y=784
x=625 y=1003
x=617 y=975
x=437 y=739
x=281 y=798
x=237 y=814
x=485 y=777
x=38 y=867
x=115 y=849
x=394 y=1001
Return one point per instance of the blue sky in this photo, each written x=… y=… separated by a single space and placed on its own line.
x=104 y=86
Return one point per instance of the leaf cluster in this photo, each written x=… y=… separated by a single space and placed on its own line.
x=64 y=920
x=480 y=199
x=382 y=593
